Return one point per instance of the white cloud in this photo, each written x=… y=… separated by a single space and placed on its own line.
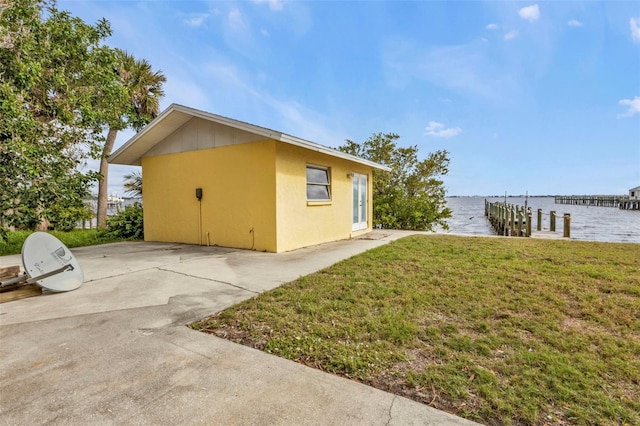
x=492 y=27
x=634 y=24
x=196 y=20
x=530 y=13
x=235 y=20
x=465 y=69
x=438 y=130
x=634 y=107
x=286 y=115
x=183 y=91
x=574 y=23
x=273 y=4
x=265 y=33
x=511 y=35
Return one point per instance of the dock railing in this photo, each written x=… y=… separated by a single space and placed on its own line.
x=516 y=221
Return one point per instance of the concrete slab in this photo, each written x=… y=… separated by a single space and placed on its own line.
x=117 y=351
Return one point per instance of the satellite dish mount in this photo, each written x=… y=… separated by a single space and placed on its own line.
x=48 y=263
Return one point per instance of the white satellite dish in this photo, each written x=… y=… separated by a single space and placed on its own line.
x=48 y=263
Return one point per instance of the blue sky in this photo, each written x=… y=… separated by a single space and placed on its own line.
x=540 y=96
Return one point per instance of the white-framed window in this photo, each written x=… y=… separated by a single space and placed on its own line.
x=318 y=183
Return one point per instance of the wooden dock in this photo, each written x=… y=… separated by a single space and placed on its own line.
x=629 y=204
x=517 y=221
x=621 y=201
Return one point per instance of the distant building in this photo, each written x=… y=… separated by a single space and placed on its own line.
x=634 y=193
x=115 y=204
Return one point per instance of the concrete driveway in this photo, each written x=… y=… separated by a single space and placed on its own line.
x=116 y=350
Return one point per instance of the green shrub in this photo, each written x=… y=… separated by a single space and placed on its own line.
x=127 y=224
x=76 y=238
x=12 y=243
x=66 y=218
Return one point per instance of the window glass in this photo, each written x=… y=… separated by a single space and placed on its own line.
x=317 y=175
x=356 y=202
x=318 y=184
x=363 y=198
x=317 y=192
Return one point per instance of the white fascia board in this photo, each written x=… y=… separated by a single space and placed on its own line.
x=292 y=140
x=128 y=154
x=126 y=148
x=236 y=124
x=282 y=137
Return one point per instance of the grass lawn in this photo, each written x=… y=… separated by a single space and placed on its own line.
x=497 y=330
x=75 y=238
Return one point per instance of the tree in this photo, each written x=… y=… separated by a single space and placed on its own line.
x=133 y=183
x=411 y=195
x=143 y=87
x=55 y=77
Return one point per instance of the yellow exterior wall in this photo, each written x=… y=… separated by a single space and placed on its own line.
x=301 y=223
x=238 y=207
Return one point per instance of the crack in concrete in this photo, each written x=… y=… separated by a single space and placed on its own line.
x=211 y=280
x=119 y=275
x=393 y=401
x=181 y=260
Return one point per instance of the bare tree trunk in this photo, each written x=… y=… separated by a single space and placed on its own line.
x=103 y=184
x=43 y=225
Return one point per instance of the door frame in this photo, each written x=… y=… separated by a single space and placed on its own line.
x=358 y=222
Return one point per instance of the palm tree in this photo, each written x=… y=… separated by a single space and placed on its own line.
x=144 y=90
x=133 y=184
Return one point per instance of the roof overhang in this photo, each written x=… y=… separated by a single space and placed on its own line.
x=175 y=116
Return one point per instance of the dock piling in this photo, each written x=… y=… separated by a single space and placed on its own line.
x=567 y=225
x=512 y=220
x=520 y=220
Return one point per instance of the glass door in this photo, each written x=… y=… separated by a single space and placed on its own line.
x=360 y=206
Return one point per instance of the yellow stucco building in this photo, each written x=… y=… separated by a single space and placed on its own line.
x=212 y=180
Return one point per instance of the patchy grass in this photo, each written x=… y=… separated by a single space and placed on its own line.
x=497 y=330
x=75 y=238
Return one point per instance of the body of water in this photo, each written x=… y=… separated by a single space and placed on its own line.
x=587 y=223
